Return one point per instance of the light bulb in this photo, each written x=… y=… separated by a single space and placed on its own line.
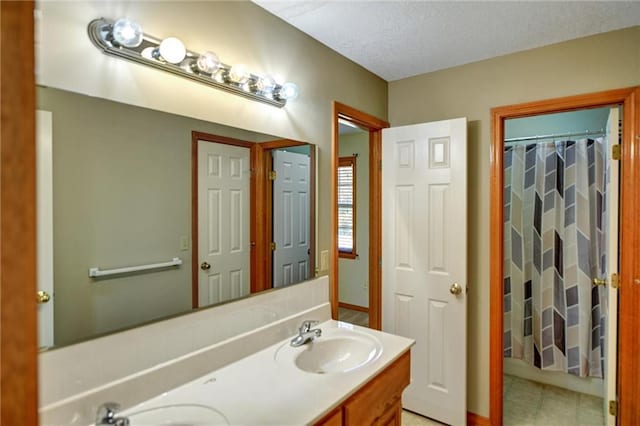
x=288 y=91
x=127 y=33
x=208 y=62
x=265 y=84
x=148 y=53
x=172 y=50
x=239 y=74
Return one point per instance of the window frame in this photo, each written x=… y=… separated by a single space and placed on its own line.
x=349 y=161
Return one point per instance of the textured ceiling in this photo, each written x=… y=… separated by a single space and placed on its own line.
x=398 y=39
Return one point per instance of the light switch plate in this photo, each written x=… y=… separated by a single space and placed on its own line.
x=324 y=260
x=184 y=243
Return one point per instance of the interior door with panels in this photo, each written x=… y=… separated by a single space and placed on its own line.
x=291 y=218
x=223 y=222
x=424 y=260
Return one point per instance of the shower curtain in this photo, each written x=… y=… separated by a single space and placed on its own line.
x=554 y=245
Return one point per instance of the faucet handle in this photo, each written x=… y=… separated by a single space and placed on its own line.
x=106 y=414
x=307 y=324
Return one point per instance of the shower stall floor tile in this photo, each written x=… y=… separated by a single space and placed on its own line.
x=531 y=403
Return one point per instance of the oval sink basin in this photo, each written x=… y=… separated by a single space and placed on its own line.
x=340 y=353
x=177 y=415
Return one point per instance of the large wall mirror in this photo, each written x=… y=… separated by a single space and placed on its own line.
x=228 y=212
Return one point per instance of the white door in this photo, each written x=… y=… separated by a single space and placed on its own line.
x=223 y=222
x=44 y=217
x=291 y=217
x=612 y=209
x=424 y=260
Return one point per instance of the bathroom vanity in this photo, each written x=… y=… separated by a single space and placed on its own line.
x=378 y=402
x=348 y=376
x=191 y=370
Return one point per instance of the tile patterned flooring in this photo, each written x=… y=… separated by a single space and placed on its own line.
x=354 y=317
x=531 y=403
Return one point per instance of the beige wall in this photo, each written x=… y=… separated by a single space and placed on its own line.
x=354 y=273
x=237 y=32
x=601 y=62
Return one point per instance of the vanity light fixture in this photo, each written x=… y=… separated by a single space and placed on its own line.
x=125 y=39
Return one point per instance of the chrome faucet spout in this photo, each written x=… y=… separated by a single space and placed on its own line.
x=107 y=415
x=306 y=333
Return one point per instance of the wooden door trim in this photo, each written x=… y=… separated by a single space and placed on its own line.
x=375 y=126
x=18 y=310
x=260 y=219
x=207 y=137
x=282 y=143
x=629 y=318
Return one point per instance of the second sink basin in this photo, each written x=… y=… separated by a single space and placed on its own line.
x=338 y=350
x=177 y=415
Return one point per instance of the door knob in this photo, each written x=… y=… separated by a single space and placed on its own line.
x=42 y=297
x=598 y=281
x=205 y=266
x=455 y=289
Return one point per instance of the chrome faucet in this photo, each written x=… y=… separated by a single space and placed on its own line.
x=107 y=415
x=306 y=333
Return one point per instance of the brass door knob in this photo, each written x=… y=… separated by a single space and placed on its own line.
x=42 y=297
x=598 y=281
x=455 y=289
x=205 y=266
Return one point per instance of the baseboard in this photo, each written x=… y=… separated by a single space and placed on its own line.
x=353 y=307
x=474 y=419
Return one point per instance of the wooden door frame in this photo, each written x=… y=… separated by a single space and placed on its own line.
x=375 y=126
x=18 y=309
x=629 y=292
x=195 y=273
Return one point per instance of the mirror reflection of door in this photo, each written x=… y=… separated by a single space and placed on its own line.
x=560 y=251
x=291 y=218
x=44 y=170
x=223 y=222
x=353 y=223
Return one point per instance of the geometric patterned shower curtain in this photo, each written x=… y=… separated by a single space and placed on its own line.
x=554 y=245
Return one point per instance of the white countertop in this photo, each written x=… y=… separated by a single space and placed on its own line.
x=265 y=389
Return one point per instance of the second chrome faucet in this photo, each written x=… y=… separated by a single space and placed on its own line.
x=306 y=333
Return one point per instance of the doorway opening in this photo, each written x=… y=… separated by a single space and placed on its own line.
x=558 y=297
x=561 y=243
x=355 y=290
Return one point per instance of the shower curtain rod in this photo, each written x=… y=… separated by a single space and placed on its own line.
x=554 y=136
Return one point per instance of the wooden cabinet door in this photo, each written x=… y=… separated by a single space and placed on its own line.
x=393 y=415
x=332 y=419
x=379 y=396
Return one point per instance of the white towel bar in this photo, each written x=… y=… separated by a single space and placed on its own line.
x=96 y=272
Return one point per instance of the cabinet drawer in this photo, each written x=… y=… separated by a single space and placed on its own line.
x=379 y=395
